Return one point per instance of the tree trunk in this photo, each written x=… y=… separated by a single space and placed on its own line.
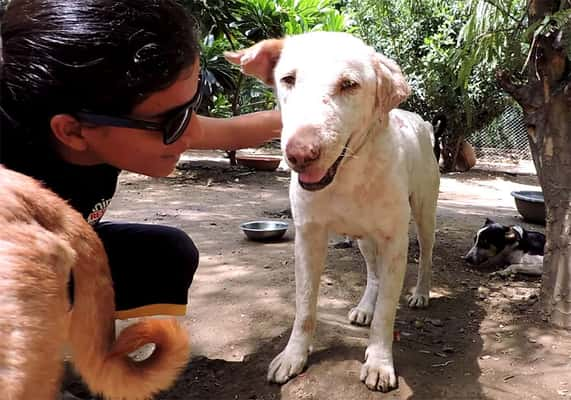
x=546 y=101
x=551 y=144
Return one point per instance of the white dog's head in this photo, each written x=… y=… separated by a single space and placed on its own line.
x=331 y=87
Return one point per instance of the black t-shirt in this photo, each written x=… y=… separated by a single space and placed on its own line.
x=88 y=189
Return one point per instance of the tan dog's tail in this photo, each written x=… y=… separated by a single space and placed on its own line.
x=116 y=375
x=119 y=377
x=101 y=359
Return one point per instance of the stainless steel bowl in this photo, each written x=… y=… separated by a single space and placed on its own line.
x=264 y=230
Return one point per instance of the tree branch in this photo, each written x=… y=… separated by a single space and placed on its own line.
x=526 y=96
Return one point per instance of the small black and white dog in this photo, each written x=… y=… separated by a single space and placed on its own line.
x=498 y=245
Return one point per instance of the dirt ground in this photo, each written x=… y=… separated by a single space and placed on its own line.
x=481 y=338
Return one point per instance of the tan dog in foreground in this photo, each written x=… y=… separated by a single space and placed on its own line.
x=361 y=168
x=42 y=241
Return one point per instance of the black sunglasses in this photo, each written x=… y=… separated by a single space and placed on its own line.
x=172 y=126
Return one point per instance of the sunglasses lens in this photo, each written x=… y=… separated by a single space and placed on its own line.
x=176 y=126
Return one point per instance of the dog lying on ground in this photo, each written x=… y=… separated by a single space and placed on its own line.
x=497 y=245
x=359 y=168
x=43 y=243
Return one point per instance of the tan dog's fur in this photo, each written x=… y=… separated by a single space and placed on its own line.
x=337 y=98
x=43 y=240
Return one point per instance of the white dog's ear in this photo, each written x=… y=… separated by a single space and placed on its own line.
x=259 y=60
x=392 y=87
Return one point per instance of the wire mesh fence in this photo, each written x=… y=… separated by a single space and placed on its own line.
x=504 y=140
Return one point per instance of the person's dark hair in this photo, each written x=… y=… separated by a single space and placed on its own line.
x=60 y=56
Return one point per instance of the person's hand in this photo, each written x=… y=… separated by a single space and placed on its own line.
x=259 y=60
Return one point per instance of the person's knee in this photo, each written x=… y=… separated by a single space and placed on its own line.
x=184 y=255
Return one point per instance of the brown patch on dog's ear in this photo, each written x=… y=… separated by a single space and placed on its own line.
x=392 y=87
x=259 y=60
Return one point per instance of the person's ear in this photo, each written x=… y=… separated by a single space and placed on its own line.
x=68 y=131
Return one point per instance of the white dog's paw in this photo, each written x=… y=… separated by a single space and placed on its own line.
x=286 y=365
x=379 y=375
x=418 y=300
x=360 y=316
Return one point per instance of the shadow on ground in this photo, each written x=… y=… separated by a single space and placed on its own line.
x=481 y=338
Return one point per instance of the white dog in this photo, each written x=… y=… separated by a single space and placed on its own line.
x=359 y=168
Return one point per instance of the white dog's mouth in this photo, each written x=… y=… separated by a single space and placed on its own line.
x=327 y=178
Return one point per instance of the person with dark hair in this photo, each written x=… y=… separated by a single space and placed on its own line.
x=92 y=87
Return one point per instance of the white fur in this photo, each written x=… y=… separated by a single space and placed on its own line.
x=390 y=161
x=389 y=171
x=521 y=263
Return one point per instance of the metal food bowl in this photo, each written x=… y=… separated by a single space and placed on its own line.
x=530 y=205
x=264 y=230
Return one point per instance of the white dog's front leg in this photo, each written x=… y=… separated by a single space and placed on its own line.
x=310 y=252
x=363 y=313
x=378 y=371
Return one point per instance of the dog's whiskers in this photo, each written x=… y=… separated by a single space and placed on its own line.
x=349 y=153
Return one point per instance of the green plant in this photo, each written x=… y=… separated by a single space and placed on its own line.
x=232 y=25
x=448 y=73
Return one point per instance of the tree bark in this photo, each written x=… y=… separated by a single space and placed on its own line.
x=550 y=140
x=546 y=101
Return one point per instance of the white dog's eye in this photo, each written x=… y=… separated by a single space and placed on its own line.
x=288 y=80
x=348 y=84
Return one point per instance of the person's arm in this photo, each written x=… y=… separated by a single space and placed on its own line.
x=248 y=130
